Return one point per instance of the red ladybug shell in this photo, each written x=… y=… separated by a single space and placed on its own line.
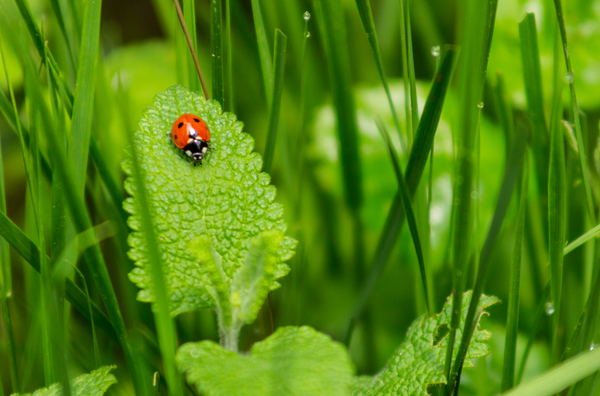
x=187 y=128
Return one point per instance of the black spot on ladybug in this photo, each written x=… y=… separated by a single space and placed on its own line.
x=180 y=125
x=197 y=120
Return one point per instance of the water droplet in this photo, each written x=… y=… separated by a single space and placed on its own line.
x=306 y=16
x=592 y=346
x=480 y=105
x=435 y=51
x=194 y=353
x=213 y=55
x=569 y=77
x=307 y=34
x=474 y=194
x=549 y=308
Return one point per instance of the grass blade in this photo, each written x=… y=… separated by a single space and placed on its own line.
x=532 y=77
x=331 y=18
x=414 y=169
x=228 y=60
x=410 y=216
x=162 y=314
x=570 y=78
x=475 y=38
x=216 y=49
x=84 y=93
x=593 y=233
x=557 y=212
x=366 y=16
x=279 y=68
x=560 y=377
x=513 y=172
x=263 y=51
x=189 y=13
x=512 y=325
x=63 y=29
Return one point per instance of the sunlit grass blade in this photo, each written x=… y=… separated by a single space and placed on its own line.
x=216 y=49
x=263 y=51
x=33 y=28
x=414 y=169
x=532 y=77
x=279 y=68
x=503 y=110
x=410 y=216
x=366 y=15
x=475 y=35
x=560 y=377
x=513 y=172
x=591 y=234
x=162 y=313
x=512 y=323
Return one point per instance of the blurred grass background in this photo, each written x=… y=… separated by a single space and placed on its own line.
x=142 y=51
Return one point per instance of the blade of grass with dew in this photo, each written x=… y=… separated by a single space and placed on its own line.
x=263 y=51
x=83 y=106
x=216 y=49
x=513 y=172
x=512 y=322
x=414 y=169
x=366 y=16
x=475 y=37
x=410 y=216
x=30 y=253
x=162 y=313
x=81 y=218
x=189 y=14
x=532 y=77
x=278 y=72
x=570 y=79
x=404 y=26
x=560 y=377
x=557 y=212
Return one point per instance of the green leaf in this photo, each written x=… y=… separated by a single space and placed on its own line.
x=419 y=361
x=292 y=361
x=93 y=384
x=226 y=198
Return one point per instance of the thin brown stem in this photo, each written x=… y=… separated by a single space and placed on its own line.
x=189 y=40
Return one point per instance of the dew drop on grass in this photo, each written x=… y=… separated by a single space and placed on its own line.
x=307 y=34
x=592 y=346
x=194 y=353
x=435 y=51
x=480 y=105
x=474 y=194
x=549 y=308
x=569 y=77
x=306 y=15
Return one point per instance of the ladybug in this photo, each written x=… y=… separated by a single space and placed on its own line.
x=190 y=134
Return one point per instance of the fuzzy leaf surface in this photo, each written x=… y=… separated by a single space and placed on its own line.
x=95 y=383
x=292 y=361
x=227 y=198
x=419 y=361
